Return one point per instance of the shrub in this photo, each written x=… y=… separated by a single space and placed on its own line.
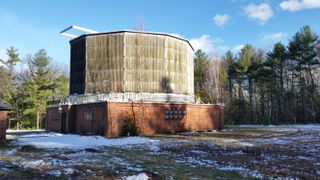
x=129 y=128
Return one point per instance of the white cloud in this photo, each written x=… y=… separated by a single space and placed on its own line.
x=261 y=12
x=296 y=5
x=221 y=19
x=213 y=46
x=274 y=36
x=209 y=45
x=205 y=43
x=237 y=48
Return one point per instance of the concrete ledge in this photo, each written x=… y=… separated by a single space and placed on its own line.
x=125 y=97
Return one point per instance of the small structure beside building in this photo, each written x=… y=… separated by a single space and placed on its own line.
x=147 y=77
x=3 y=121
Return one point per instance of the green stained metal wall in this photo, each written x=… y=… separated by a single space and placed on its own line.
x=105 y=63
x=137 y=62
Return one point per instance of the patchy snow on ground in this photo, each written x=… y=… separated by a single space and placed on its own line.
x=32 y=164
x=246 y=144
x=262 y=152
x=244 y=171
x=56 y=173
x=41 y=134
x=140 y=176
x=235 y=142
x=67 y=141
x=232 y=168
x=11 y=131
x=11 y=152
x=69 y=171
x=283 y=127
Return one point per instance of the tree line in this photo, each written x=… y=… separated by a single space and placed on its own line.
x=28 y=88
x=257 y=87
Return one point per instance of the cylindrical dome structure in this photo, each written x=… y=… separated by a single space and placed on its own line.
x=131 y=62
x=143 y=76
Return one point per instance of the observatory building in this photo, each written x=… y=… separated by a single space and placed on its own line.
x=143 y=76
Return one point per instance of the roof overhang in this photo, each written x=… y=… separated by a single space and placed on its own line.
x=131 y=31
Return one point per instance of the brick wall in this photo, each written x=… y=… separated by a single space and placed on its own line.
x=154 y=121
x=53 y=120
x=90 y=118
x=3 y=124
x=151 y=118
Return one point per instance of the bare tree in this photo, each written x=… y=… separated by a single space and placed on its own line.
x=214 y=79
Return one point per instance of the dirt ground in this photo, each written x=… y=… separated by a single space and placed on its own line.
x=238 y=152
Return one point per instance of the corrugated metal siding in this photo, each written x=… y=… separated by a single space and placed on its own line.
x=104 y=63
x=78 y=66
x=156 y=63
x=137 y=62
x=144 y=62
x=190 y=70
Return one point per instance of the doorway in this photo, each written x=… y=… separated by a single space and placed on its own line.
x=63 y=122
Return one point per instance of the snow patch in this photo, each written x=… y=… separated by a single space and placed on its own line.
x=232 y=168
x=304 y=158
x=67 y=141
x=229 y=140
x=278 y=141
x=11 y=131
x=140 y=176
x=236 y=141
x=55 y=173
x=69 y=171
x=242 y=170
x=246 y=144
x=32 y=164
x=198 y=152
x=295 y=127
x=40 y=135
x=11 y=152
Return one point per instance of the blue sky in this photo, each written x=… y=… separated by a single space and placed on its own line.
x=213 y=25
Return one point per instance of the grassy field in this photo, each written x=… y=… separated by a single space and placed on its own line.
x=239 y=152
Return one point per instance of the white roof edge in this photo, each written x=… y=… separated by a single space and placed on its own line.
x=145 y=32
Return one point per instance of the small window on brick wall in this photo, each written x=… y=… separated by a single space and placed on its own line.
x=175 y=114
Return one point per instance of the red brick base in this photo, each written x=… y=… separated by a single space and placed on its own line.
x=3 y=124
x=151 y=118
